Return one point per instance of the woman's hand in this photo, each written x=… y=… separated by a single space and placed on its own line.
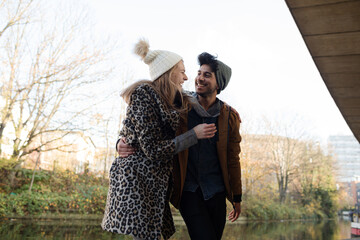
x=205 y=130
x=123 y=149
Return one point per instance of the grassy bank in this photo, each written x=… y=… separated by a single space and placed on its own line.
x=60 y=192
x=255 y=209
x=68 y=195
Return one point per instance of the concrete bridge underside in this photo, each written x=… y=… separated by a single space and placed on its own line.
x=331 y=31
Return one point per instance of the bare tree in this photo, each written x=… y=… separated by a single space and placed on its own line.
x=278 y=156
x=43 y=72
x=316 y=171
x=14 y=15
x=106 y=133
x=110 y=122
x=286 y=151
x=255 y=173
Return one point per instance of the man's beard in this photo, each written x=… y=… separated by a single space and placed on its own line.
x=207 y=93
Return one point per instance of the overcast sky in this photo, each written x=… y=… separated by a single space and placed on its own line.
x=273 y=72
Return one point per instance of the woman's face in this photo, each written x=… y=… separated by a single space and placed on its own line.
x=178 y=76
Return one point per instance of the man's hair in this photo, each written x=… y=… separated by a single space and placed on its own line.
x=207 y=58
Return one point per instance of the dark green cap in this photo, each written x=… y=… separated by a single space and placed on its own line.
x=223 y=75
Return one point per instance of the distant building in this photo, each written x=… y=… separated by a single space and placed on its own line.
x=346 y=150
x=352 y=189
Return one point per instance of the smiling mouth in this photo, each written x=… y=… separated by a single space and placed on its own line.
x=200 y=85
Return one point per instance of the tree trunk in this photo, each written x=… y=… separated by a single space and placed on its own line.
x=282 y=189
x=12 y=174
x=34 y=170
x=2 y=127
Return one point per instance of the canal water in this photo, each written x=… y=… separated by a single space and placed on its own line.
x=88 y=230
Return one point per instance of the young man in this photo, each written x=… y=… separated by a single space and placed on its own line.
x=209 y=172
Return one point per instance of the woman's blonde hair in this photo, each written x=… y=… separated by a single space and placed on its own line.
x=166 y=88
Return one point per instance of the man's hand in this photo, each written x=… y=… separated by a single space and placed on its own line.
x=235 y=213
x=123 y=149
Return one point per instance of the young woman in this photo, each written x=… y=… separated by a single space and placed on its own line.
x=138 y=197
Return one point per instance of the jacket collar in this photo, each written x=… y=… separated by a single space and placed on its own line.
x=213 y=111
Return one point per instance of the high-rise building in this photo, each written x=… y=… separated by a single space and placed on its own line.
x=346 y=150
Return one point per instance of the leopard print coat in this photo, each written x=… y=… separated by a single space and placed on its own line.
x=138 y=196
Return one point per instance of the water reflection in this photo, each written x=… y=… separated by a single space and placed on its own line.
x=76 y=229
x=325 y=230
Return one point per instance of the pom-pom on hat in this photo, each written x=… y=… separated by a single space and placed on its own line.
x=159 y=61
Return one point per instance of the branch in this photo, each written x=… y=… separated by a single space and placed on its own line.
x=18 y=15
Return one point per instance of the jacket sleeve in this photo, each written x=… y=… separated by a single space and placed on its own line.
x=144 y=114
x=233 y=156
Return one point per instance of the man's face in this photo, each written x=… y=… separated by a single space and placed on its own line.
x=205 y=81
x=178 y=76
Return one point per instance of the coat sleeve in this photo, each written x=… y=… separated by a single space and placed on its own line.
x=144 y=114
x=233 y=156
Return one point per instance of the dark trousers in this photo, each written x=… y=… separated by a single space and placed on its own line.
x=204 y=219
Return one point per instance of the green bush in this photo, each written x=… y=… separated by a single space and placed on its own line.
x=61 y=192
x=254 y=208
x=92 y=202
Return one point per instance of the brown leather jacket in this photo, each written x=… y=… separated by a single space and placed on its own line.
x=228 y=148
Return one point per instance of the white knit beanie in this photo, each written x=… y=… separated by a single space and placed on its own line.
x=159 y=61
